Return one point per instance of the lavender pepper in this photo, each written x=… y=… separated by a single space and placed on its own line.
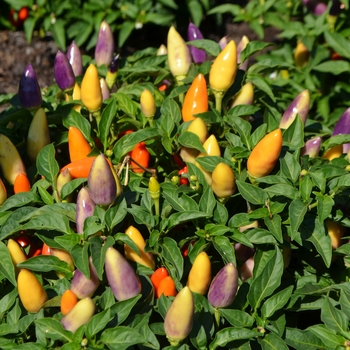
x=64 y=74
x=312 y=147
x=105 y=45
x=193 y=33
x=85 y=208
x=74 y=57
x=342 y=127
x=29 y=90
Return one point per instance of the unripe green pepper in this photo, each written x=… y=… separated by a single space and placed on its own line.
x=179 y=56
x=223 y=181
x=200 y=274
x=223 y=72
x=178 y=320
x=38 y=134
x=265 y=154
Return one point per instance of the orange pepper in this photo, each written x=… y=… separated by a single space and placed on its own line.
x=166 y=287
x=196 y=99
x=78 y=147
x=21 y=183
x=158 y=275
x=80 y=168
x=141 y=155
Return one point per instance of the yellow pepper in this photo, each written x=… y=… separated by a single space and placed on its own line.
x=90 y=90
x=200 y=274
x=223 y=181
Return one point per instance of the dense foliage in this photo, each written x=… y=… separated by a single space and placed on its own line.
x=208 y=195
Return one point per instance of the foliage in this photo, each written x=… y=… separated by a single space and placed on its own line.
x=299 y=291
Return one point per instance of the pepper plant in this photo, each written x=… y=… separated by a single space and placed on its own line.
x=150 y=223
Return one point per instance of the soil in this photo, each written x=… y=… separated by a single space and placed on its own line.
x=16 y=53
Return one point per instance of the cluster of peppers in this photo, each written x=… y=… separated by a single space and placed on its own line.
x=103 y=185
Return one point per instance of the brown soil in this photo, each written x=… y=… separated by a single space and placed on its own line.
x=16 y=53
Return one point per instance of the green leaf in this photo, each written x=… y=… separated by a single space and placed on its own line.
x=225 y=248
x=171 y=110
x=306 y=186
x=47 y=164
x=229 y=334
x=325 y=205
x=196 y=11
x=46 y=263
x=74 y=118
x=179 y=218
x=59 y=33
x=334 y=67
x=282 y=190
x=243 y=128
x=260 y=236
x=274 y=225
x=81 y=258
x=224 y=9
x=126 y=104
x=8 y=300
x=252 y=48
x=302 y=339
x=261 y=84
x=98 y=322
x=266 y=282
x=333 y=318
x=330 y=339
x=191 y=140
x=338 y=43
x=293 y=137
x=142 y=217
x=172 y=253
x=121 y=337
x=237 y=318
x=345 y=301
x=297 y=211
x=6 y=265
x=251 y=193
x=276 y=302
x=108 y=114
x=116 y=214
x=290 y=168
x=71 y=186
x=125 y=31
x=207 y=202
x=121 y=310
x=20 y=200
x=210 y=46
x=53 y=329
x=272 y=342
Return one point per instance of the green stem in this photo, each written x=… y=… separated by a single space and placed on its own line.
x=217 y=318
x=179 y=80
x=97 y=116
x=219 y=95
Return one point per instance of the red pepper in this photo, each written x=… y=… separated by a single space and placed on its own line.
x=140 y=155
x=183 y=180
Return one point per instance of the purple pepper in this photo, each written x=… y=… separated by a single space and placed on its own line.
x=315 y=6
x=74 y=57
x=223 y=287
x=300 y=105
x=81 y=285
x=342 y=127
x=223 y=42
x=101 y=181
x=193 y=33
x=85 y=208
x=63 y=71
x=121 y=276
x=312 y=147
x=112 y=72
x=240 y=47
x=29 y=90
x=105 y=45
x=104 y=89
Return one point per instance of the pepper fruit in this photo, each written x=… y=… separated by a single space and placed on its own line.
x=85 y=208
x=121 y=276
x=11 y=163
x=223 y=72
x=223 y=42
x=29 y=92
x=178 y=320
x=148 y=103
x=63 y=71
x=240 y=47
x=199 y=128
x=301 y=55
x=105 y=45
x=146 y=258
x=102 y=185
x=3 y=192
x=139 y=156
x=82 y=286
x=183 y=180
x=312 y=147
x=38 y=134
x=300 y=105
x=80 y=314
x=63 y=178
x=193 y=33
x=104 y=89
x=68 y=301
x=166 y=287
x=196 y=99
x=80 y=168
x=246 y=270
x=223 y=182
x=162 y=50
x=91 y=94
x=200 y=274
x=78 y=147
x=16 y=253
x=21 y=184
x=157 y=276
x=154 y=190
x=265 y=154
x=245 y=96
x=30 y=291
x=223 y=287
x=335 y=232
x=179 y=56
x=63 y=255
x=112 y=73
x=341 y=127
x=315 y=6
x=73 y=55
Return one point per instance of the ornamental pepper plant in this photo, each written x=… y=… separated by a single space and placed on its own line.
x=124 y=225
